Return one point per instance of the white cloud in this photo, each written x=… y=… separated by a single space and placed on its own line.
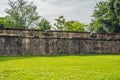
x=72 y=9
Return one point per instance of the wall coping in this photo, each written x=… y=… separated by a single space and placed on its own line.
x=55 y=31
x=51 y=37
x=20 y=29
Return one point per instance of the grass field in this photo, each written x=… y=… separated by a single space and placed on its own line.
x=82 y=67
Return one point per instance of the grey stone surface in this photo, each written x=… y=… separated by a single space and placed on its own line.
x=33 y=42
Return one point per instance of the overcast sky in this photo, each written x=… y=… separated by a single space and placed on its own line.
x=80 y=10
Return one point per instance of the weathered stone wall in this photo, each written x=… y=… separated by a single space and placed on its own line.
x=33 y=42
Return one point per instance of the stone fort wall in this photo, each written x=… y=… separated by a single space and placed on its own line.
x=16 y=42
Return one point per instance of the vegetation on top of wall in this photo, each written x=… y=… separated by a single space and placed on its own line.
x=70 y=25
x=1 y=23
x=23 y=14
x=44 y=25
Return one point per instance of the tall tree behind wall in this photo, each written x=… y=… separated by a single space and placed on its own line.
x=70 y=25
x=22 y=14
x=75 y=26
x=44 y=25
x=107 y=17
x=60 y=23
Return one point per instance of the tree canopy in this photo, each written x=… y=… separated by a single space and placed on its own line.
x=70 y=25
x=75 y=26
x=21 y=14
x=1 y=22
x=60 y=23
x=107 y=17
x=44 y=24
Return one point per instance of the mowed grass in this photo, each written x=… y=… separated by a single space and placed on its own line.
x=82 y=67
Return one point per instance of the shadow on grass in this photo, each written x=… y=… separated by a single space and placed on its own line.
x=7 y=58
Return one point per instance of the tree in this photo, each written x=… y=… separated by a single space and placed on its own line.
x=107 y=17
x=8 y=22
x=44 y=25
x=60 y=23
x=75 y=26
x=22 y=14
x=1 y=22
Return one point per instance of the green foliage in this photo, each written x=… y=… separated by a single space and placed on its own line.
x=60 y=23
x=107 y=17
x=75 y=26
x=89 y=67
x=9 y=22
x=21 y=14
x=1 y=20
x=44 y=25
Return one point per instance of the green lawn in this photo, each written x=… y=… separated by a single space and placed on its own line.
x=84 y=67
